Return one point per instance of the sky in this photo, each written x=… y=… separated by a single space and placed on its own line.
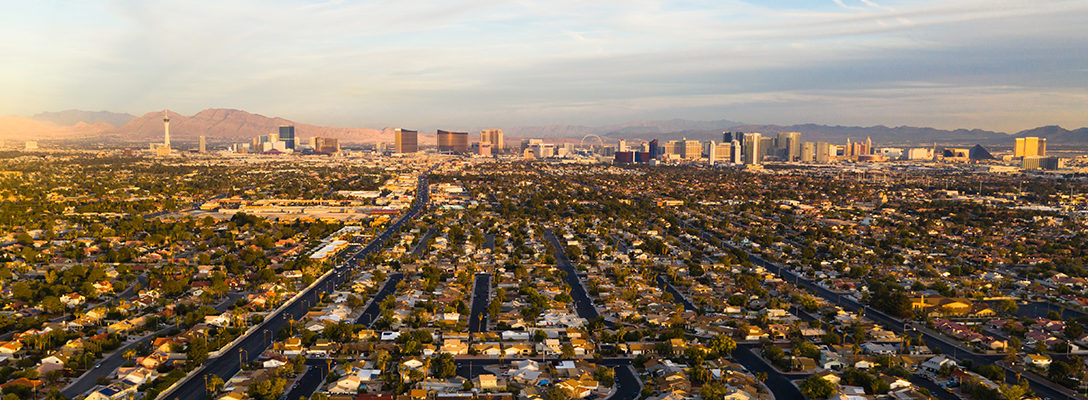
x=1003 y=65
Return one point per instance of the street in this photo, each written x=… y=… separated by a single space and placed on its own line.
x=251 y=346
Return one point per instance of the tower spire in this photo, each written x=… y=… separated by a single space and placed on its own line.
x=166 y=128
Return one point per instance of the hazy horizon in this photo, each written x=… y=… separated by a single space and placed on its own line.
x=948 y=65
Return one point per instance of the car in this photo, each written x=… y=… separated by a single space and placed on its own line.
x=98 y=365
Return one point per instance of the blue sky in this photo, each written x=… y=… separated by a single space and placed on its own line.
x=1003 y=65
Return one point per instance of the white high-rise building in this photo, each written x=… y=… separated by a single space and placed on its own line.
x=752 y=151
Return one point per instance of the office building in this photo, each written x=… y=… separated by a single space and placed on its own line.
x=452 y=142
x=737 y=156
x=788 y=146
x=287 y=136
x=752 y=153
x=407 y=141
x=766 y=147
x=1029 y=146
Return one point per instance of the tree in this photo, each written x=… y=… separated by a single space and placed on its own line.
x=215 y=383
x=1073 y=330
x=443 y=366
x=723 y=345
x=1014 y=392
x=21 y=290
x=816 y=387
x=52 y=304
x=24 y=239
x=559 y=393
x=568 y=350
x=713 y=391
x=198 y=351
x=606 y=376
x=1008 y=306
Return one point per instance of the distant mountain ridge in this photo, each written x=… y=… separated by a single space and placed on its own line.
x=238 y=125
x=73 y=117
x=712 y=130
x=631 y=129
x=241 y=126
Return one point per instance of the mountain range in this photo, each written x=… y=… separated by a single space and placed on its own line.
x=240 y=126
x=72 y=117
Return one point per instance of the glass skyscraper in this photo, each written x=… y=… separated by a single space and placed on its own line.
x=287 y=135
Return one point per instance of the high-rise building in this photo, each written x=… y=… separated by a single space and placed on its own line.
x=1029 y=146
x=728 y=137
x=672 y=149
x=452 y=142
x=623 y=157
x=788 y=145
x=808 y=152
x=1041 y=162
x=493 y=136
x=326 y=145
x=654 y=150
x=203 y=145
x=692 y=149
x=407 y=141
x=752 y=152
x=823 y=152
x=766 y=147
x=287 y=136
x=719 y=153
x=484 y=149
x=622 y=145
x=737 y=156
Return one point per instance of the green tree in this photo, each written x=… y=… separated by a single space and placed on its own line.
x=1014 y=392
x=723 y=345
x=52 y=304
x=198 y=351
x=606 y=376
x=816 y=387
x=443 y=366
x=559 y=393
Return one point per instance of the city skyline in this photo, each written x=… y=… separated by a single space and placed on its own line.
x=949 y=65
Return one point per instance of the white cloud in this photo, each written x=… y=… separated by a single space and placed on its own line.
x=340 y=62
